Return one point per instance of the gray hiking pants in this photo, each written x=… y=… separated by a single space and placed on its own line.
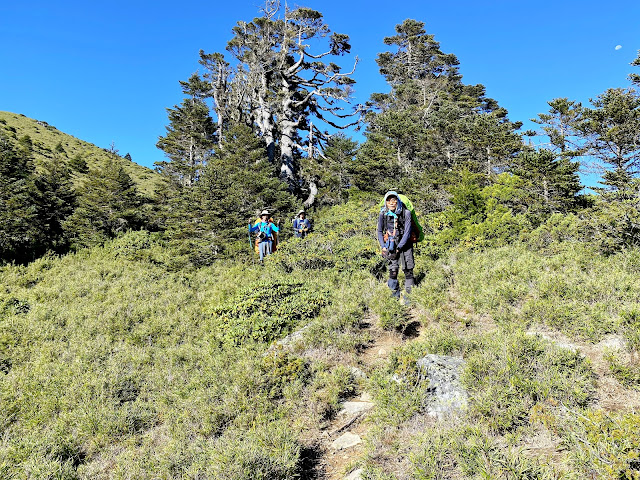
x=404 y=259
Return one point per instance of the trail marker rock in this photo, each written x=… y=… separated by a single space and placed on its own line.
x=354 y=408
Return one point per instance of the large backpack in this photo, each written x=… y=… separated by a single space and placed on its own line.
x=417 y=235
x=274 y=238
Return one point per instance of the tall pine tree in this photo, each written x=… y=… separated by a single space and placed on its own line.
x=108 y=204
x=56 y=201
x=19 y=223
x=551 y=182
x=610 y=132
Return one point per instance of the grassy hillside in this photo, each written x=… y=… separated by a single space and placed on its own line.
x=117 y=363
x=46 y=138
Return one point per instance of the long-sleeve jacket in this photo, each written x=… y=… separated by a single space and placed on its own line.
x=402 y=227
x=300 y=224
x=266 y=227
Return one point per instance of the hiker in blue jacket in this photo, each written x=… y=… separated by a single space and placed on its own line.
x=394 y=229
x=266 y=234
x=301 y=225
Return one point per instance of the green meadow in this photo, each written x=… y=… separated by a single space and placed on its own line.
x=116 y=363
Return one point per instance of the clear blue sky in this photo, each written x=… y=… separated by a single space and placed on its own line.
x=106 y=71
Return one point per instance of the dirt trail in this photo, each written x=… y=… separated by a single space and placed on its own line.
x=342 y=444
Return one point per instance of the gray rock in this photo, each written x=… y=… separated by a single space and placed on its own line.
x=357 y=373
x=346 y=440
x=553 y=340
x=445 y=393
x=353 y=408
x=293 y=337
x=355 y=475
x=613 y=342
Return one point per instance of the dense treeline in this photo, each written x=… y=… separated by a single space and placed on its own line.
x=253 y=133
x=43 y=210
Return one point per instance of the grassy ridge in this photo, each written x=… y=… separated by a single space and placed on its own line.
x=46 y=138
x=116 y=364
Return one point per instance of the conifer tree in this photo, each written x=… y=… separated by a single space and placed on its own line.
x=430 y=121
x=331 y=171
x=211 y=218
x=552 y=182
x=283 y=84
x=108 y=204
x=19 y=226
x=375 y=167
x=634 y=77
x=610 y=132
x=559 y=125
x=491 y=141
x=240 y=181
x=78 y=164
x=56 y=201
x=190 y=136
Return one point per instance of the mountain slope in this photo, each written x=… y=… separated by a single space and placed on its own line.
x=117 y=363
x=48 y=142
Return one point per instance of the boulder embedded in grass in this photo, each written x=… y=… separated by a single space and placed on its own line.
x=445 y=394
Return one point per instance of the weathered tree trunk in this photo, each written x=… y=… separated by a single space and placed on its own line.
x=488 y=161
x=313 y=191
x=218 y=94
x=264 y=118
x=287 y=168
x=287 y=132
x=545 y=192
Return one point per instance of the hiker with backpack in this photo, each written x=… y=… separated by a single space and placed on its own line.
x=394 y=236
x=301 y=225
x=266 y=234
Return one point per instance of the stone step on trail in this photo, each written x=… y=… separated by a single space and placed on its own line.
x=346 y=440
x=355 y=475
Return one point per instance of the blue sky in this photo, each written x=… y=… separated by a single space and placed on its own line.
x=106 y=71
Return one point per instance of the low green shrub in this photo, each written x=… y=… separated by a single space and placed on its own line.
x=554 y=234
x=506 y=375
x=269 y=451
x=330 y=386
x=391 y=314
x=267 y=310
x=279 y=369
x=469 y=452
x=397 y=398
x=339 y=324
x=599 y=444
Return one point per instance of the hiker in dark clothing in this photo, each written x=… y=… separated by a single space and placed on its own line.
x=394 y=229
x=301 y=225
x=266 y=234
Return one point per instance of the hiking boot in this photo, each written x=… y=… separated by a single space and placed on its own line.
x=406 y=301
x=394 y=286
x=408 y=285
